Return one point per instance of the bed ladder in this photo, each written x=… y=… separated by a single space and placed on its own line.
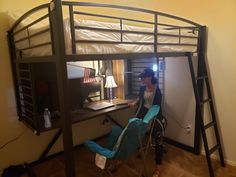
x=198 y=83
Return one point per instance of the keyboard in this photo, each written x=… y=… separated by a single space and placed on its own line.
x=99 y=105
x=118 y=101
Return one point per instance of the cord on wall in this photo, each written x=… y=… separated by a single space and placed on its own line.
x=14 y=139
x=176 y=121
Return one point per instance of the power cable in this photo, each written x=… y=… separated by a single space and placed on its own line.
x=12 y=140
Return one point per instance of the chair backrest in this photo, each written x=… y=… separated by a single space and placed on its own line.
x=122 y=143
x=131 y=137
x=152 y=112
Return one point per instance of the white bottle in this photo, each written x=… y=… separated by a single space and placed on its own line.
x=47 y=118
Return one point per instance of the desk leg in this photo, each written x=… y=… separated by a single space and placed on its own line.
x=51 y=143
x=113 y=121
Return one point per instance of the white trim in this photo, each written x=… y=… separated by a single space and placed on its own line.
x=216 y=157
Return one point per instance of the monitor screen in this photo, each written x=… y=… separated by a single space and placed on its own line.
x=83 y=92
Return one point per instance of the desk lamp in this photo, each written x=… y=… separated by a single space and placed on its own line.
x=110 y=83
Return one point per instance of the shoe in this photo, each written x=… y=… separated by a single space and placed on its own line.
x=156 y=173
x=112 y=168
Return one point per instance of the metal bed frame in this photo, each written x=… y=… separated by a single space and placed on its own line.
x=23 y=73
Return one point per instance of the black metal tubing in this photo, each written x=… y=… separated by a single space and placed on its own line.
x=36 y=120
x=113 y=42
x=138 y=43
x=220 y=151
x=133 y=20
x=34 y=46
x=130 y=9
x=197 y=137
x=129 y=78
x=56 y=18
x=72 y=29
x=31 y=24
x=122 y=31
x=42 y=59
x=14 y=71
x=200 y=84
x=51 y=33
x=88 y=57
x=27 y=14
x=212 y=107
x=50 y=145
x=112 y=17
x=113 y=30
x=155 y=31
x=72 y=12
x=33 y=35
x=200 y=114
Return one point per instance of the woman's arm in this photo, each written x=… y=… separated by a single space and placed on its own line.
x=134 y=103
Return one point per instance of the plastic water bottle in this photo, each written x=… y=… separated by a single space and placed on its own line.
x=47 y=118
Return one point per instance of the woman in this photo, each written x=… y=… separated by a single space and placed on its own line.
x=149 y=95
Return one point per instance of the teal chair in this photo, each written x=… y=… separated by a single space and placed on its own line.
x=124 y=142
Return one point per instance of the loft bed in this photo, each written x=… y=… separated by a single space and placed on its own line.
x=51 y=35
x=36 y=42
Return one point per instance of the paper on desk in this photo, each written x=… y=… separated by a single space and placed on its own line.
x=100 y=161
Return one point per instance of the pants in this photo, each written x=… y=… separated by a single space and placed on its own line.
x=157 y=133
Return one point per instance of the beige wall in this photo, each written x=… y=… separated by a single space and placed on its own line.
x=218 y=15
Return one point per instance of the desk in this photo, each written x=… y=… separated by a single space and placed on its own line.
x=83 y=115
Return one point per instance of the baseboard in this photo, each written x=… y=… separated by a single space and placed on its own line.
x=181 y=145
x=230 y=162
x=215 y=157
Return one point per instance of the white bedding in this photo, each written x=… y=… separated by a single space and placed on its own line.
x=93 y=48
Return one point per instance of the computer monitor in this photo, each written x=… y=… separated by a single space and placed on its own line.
x=46 y=87
x=81 y=92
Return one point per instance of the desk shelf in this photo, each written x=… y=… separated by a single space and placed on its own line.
x=77 y=116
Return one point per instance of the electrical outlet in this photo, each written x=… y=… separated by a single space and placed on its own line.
x=188 y=128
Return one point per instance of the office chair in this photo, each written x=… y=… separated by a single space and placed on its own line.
x=123 y=143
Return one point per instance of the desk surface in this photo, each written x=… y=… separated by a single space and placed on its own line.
x=86 y=114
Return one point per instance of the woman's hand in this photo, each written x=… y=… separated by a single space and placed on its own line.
x=133 y=103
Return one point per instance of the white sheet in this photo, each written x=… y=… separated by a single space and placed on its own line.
x=93 y=48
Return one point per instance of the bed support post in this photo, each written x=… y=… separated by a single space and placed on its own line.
x=56 y=19
x=14 y=67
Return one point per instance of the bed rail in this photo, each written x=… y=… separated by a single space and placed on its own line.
x=128 y=40
x=87 y=4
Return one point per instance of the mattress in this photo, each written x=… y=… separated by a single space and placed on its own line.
x=96 y=35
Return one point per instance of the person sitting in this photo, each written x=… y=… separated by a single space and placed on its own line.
x=150 y=94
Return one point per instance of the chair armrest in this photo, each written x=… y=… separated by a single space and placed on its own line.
x=96 y=148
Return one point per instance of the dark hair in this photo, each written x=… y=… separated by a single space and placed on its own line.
x=154 y=80
x=148 y=73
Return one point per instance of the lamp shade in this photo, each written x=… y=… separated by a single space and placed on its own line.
x=110 y=82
